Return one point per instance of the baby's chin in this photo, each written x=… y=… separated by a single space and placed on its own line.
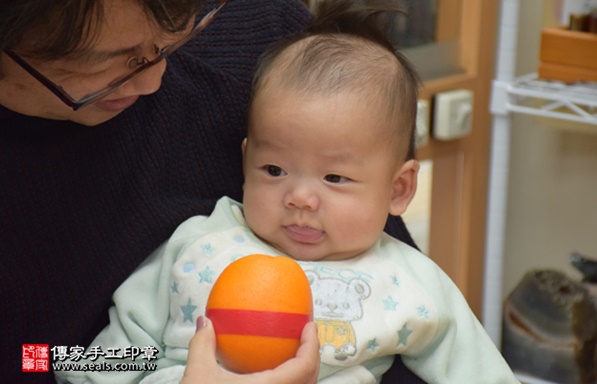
x=311 y=253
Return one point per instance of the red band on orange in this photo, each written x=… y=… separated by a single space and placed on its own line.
x=257 y=323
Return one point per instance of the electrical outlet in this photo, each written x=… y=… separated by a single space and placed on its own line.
x=453 y=112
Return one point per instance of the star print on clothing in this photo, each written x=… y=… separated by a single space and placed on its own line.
x=187 y=311
x=174 y=287
x=208 y=249
x=205 y=275
x=396 y=281
x=423 y=312
x=403 y=335
x=389 y=304
x=372 y=345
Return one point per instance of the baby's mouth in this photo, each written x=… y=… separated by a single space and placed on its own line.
x=304 y=234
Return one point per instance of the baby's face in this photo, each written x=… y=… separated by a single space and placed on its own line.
x=318 y=175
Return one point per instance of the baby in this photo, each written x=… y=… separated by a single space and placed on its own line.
x=328 y=155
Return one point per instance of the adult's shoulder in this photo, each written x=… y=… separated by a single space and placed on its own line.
x=231 y=45
x=245 y=25
x=284 y=10
x=290 y=14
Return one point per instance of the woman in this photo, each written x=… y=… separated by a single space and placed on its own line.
x=104 y=151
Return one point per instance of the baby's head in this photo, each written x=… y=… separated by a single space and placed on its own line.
x=329 y=152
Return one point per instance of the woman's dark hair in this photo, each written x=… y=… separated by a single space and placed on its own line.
x=50 y=29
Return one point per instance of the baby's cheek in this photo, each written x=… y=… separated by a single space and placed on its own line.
x=359 y=227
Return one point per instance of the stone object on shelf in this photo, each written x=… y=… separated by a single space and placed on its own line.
x=586 y=266
x=550 y=329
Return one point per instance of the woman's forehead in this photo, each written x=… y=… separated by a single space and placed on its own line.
x=123 y=22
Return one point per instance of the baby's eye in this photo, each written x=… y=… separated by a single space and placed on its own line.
x=335 y=178
x=274 y=170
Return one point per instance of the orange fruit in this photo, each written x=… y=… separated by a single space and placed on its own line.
x=259 y=305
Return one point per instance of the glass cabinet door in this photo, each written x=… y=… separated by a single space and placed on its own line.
x=428 y=33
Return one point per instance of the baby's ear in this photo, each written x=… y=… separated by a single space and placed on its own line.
x=404 y=186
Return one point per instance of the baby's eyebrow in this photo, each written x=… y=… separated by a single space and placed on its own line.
x=343 y=156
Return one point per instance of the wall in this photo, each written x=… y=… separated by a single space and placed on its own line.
x=552 y=196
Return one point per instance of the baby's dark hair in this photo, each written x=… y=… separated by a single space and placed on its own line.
x=346 y=49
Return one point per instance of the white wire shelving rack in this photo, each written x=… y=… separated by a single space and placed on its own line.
x=534 y=96
x=527 y=95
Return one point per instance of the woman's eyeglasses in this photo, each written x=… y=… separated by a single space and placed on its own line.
x=139 y=65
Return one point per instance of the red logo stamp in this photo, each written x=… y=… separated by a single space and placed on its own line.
x=36 y=358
